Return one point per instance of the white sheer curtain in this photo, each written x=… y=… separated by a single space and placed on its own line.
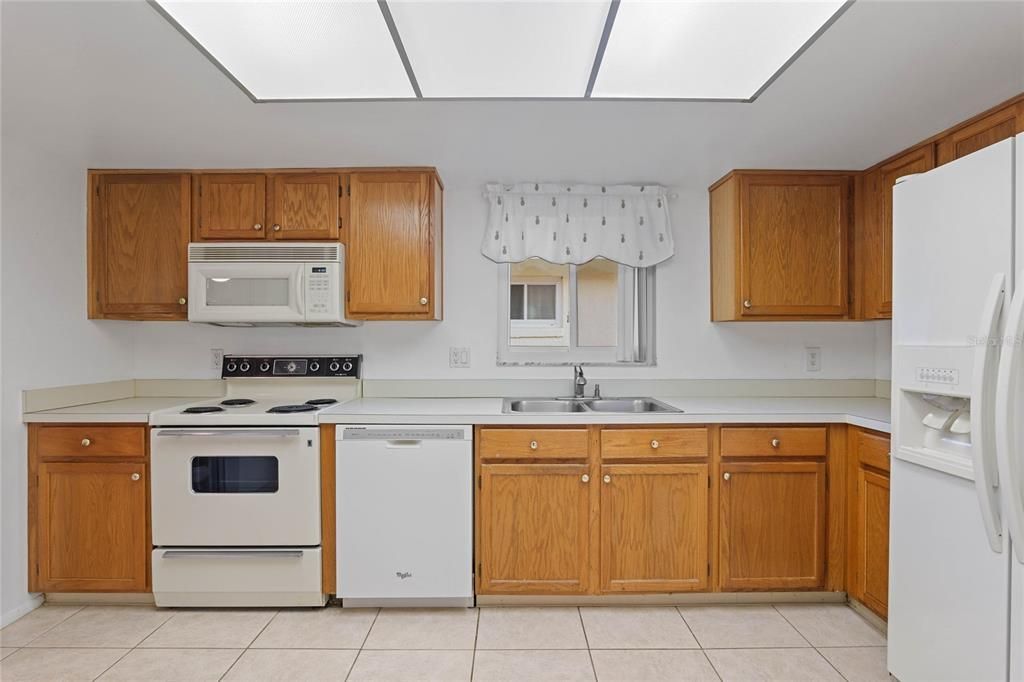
x=628 y=224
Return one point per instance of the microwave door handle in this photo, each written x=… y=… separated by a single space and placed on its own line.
x=300 y=292
x=203 y=433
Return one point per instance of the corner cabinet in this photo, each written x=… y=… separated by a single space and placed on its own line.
x=88 y=508
x=394 y=266
x=138 y=246
x=868 y=495
x=779 y=245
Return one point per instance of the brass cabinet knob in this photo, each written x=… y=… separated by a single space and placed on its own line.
x=747 y=303
x=585 y=478
x=655 y=444
x=182 y=301
x=727 y=475
x=86 y=442
x=277 y=228
x=533 y=445
x=776 y=442
x=257 y=226
x=135 y=477
x=607 y=478
x=423 y=301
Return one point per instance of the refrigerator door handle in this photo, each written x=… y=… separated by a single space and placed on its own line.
x=986 y=469
x=1006 y=453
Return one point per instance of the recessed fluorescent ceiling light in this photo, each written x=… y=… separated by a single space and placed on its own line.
x=683 y=49
x=298 y=50
x=501 y=49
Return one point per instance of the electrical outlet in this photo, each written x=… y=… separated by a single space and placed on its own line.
x=458 y=356
x=216 y=358
x=812 y=356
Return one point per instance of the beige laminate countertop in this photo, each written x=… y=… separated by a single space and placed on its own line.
x=125 y=410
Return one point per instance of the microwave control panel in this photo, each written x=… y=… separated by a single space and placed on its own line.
x=238 y=366
x=318 y=290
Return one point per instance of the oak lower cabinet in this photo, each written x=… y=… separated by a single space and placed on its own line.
x=534 y=528
x=137 y=245
x=88 y=509
x=654 y=527
x=779 y=245
x=772 y=525
x=868 y=550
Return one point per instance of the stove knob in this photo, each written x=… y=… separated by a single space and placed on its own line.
x=244 y=367
x=314 y=366
x=333 y=366
x=231 y=367
x=264 y=366
x=347 y=366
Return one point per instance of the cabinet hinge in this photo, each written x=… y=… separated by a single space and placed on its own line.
x=709 y=569
x=339 y=222
x=37 y=569
x=348 y=296
x=341 y=190
x=349 y=190
x=480 y=482
x=479 y=569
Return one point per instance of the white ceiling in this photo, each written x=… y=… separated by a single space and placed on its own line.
x=117 y=78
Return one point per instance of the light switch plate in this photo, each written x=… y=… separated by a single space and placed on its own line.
x=458 y=356
x=812 y=355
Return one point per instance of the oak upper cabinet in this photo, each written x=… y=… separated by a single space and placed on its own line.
x=868 y=550
x=534 y=528
x=88 y=527
x=779 y=245
x=231 y=206
x=772 y=525
x=304 y=206
x=394 y=256
x=977 y=134
x=654 y=527
x=138 y=236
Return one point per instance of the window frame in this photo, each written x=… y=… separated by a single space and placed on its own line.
x=557 y=322
x=636 y=325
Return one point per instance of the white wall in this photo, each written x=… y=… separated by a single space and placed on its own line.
x=111 y=84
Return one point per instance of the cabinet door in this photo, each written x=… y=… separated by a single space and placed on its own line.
x=872 y=505
x=793 y=245
x=654 y=527
x=390 y=264
x=232 y=206
x=997 y=126
x=304 y=206
x=138 y=246
x=92 y=527
x=772 y=534
x=534 y=523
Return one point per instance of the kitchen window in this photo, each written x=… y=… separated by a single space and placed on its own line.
x=600 y=312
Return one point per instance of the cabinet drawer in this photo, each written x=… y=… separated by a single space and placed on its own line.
x=89 y=440
x=533 y=444
x=637 y=443
x=767 y=441
x=873 y=449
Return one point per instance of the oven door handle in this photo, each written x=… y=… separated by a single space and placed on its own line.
x=233 y=554
x=264 y=433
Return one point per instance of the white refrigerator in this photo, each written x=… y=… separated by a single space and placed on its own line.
x=956 y=603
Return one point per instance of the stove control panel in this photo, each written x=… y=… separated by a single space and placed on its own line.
x=237 y=366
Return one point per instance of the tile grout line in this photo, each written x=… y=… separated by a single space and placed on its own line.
x=838 y=671
x=802 y=635
x=688 y=628
x=60 y=622
x=131 y=648
x=476 y=639
x=246 y=648
x=701 y=648
x=586 y=639
x=366 y=637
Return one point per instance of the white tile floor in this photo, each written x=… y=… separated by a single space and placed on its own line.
x=784 y=642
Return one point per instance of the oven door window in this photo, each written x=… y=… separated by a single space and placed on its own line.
x=235 y=475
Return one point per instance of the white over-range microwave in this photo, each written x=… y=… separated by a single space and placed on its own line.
x=250 y=284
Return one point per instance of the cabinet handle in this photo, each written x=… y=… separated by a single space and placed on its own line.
x=585 y=478
x=423 y=301
x=747 y=303
x=86 y=442
x=182 y=301
x=727 y=475
x=607 y=478
x=655 y=444
x=533 y=445
x=776 y=442
x=277 y=228
x=135 y=477
x=257 y=226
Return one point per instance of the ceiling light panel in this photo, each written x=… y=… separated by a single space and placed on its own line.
x=500 y=49
x=690 y=49
x=281 y=49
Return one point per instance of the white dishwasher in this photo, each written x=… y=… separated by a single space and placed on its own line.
x=405 y=515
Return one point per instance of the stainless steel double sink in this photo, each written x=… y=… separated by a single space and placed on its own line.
x=584 y=405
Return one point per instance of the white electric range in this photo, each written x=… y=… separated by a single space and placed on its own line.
x=236 y=485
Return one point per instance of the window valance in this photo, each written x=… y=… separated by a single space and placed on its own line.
x=559 y=223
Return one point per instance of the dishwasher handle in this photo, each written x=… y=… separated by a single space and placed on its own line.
x=403 y=444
